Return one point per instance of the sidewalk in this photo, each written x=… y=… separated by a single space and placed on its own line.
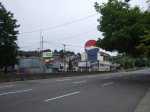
x=144 y=105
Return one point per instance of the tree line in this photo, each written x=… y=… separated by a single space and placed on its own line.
x=125 y=29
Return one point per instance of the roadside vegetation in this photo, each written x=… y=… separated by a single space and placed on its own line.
x=125 y=29
x=8 y=38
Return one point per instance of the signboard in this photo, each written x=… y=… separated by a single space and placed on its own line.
x=94 y=63
x=47 y=54
x=47 y=60
x=84 y=64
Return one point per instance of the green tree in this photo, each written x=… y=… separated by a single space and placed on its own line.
x=126 y=61
x=55 y=51
x=144 y=45
x=61 y=52
x=67 y=53
x=78 y=56
x=8 y=38
x=47 y=50
x=121 y=26
x=70 y=65
x=148 y=1
x=126 y=0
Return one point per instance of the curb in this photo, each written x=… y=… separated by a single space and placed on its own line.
x=144 y=105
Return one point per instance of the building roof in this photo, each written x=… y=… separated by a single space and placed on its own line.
x=29 y=53
x=104 y=54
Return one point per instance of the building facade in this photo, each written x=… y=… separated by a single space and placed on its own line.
x=98 y=64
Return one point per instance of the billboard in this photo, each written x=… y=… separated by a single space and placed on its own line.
x=47 y=54
x=90 y=43
x=92 y=54
x=84 y=64
x=30 y=62
x=91 y=50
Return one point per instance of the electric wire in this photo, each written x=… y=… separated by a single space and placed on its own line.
x=62 y=44
x=55 y=44
x=76 y=35
x=29 y=45
x=60 y=24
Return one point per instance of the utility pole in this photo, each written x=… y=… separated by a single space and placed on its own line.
x=64 y=55
x=43 y=70
x=40 y=39
x=42 y=46
x=41 y=49
x=42 y=53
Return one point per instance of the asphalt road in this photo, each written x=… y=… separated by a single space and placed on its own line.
x=113 y=92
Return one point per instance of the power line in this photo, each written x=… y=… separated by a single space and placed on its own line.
x=30 y=45
x=75 y=50
x=77 y=35
x=63 y=44
x=60 y=24
x=75 y=46
x=55 y=44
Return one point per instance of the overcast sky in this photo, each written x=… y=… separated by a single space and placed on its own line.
x=34 y=15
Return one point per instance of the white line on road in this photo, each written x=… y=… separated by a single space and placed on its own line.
x=107 y=83
x=15 y=92
x=6 y=86
x=62 y=96
x=91 y=76
x=63 y=80
x=80 y=82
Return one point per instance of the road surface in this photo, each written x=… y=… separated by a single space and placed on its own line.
x=113 y=92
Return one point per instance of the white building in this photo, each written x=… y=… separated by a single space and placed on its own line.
x=101 y=64
x=104 y=65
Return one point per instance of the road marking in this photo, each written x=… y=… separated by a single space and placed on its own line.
x=63 y=80
x=80 y=82
x=6 y=86
x=91 y=76
x=62 y=96
x=15 y=92
x=107 y=83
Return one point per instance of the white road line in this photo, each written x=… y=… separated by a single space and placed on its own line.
x=63 y=80
x=107 y=83
x=13 y=92
x=91 y=76
x=6 y=86
x=80 y=82
x=62 y=96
